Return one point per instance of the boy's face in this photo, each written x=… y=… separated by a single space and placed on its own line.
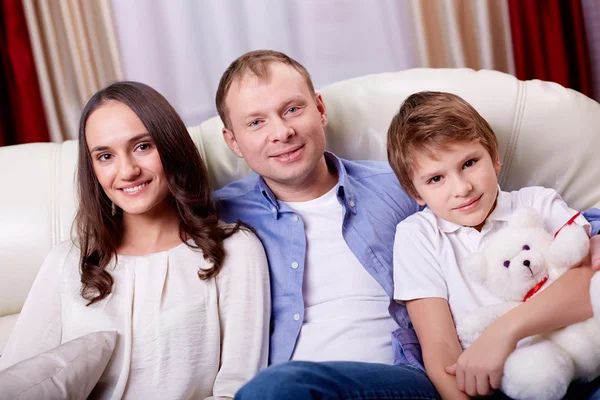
x=460 y=184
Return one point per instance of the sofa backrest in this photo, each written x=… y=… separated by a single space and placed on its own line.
x=548 y=136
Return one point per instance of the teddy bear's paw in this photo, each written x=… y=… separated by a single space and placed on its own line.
x=468 y=331
x=539 y=371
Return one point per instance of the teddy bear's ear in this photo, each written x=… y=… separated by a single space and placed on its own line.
x=526 y=218
x=476 y=267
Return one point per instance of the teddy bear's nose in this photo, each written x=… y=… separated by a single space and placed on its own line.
x=526 y=263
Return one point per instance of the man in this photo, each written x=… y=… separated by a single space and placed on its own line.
x=328 y=227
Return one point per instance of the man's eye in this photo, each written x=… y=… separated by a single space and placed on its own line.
x=255 y=123
x=292 y=109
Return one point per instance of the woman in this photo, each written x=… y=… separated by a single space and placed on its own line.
x=188 y=295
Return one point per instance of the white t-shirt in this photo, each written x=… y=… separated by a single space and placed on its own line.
x=346 y=313
x=429 y=251
x=179 y=337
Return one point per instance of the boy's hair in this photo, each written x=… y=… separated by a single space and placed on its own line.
x=431 y=121
x=256 y=62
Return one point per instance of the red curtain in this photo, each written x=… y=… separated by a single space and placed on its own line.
x=22 y=118
x=549 y=42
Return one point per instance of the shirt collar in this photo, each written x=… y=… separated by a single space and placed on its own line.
x=501 y=212
x=344 y=192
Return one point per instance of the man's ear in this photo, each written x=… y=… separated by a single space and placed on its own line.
x=231 y=142
x=321 y=108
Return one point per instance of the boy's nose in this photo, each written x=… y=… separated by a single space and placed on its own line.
x=462 y=187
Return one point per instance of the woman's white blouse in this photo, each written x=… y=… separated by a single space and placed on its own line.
x=179 y=337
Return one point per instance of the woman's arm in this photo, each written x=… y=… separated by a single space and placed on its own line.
x=435 y=329
x=39 y=327
x=244 y=311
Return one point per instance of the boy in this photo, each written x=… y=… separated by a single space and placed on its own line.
x=446 y=157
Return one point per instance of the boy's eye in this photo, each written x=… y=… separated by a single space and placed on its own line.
x=469 y=163
x=435 y=179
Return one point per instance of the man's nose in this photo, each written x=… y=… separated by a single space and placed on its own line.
x=282 y=130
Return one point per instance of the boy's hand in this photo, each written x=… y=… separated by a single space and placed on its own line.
x=595 y=252
x=479 y=368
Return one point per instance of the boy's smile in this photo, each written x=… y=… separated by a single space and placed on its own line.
x=458 y=183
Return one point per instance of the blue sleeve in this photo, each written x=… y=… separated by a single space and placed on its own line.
x=593 y=217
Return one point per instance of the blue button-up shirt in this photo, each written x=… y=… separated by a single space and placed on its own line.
x=373 y=204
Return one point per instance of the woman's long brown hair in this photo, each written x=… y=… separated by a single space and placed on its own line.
x=99 y=232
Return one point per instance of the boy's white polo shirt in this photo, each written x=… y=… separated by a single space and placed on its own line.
x=429 y=251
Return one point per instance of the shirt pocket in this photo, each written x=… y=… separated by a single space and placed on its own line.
x=407 y=349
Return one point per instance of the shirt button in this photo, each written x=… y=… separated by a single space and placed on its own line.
x=294 y=265
x=296 y=317
x=273 y=209
x=296 y=219
x=352 y=203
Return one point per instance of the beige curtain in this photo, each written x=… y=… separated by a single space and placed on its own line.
x=463 y=33
x=76 y=53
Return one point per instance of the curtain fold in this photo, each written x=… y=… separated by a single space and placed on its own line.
x=549 y=42
x=76 y=54
x=22 y=118
x=591 y=17
x=463 y=33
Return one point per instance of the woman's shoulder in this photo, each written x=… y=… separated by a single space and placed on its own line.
x=64 y=250
x=243 y=248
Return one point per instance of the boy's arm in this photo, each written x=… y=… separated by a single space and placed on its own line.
x=434 y=325
x=565 y=302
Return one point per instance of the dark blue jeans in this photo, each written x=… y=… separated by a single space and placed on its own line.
x=577 y=391
x=338 y=380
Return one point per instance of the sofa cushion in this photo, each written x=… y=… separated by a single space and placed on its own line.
x=69 y=371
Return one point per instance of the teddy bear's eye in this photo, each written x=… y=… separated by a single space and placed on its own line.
x=526 y=247
x=507 y=263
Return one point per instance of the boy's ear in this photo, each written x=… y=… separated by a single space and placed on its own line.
x=497 y=164
x=231 y=142
x=419 y=201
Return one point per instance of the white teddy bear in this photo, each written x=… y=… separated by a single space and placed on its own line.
x=520 y=260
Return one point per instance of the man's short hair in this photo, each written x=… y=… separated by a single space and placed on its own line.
x=256 y=62
x=428 y=122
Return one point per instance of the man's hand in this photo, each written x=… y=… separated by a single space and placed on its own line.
x=479 y=368
x=595 y=252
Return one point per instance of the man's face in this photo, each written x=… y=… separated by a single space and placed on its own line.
x=459 y=185
x=277 y=126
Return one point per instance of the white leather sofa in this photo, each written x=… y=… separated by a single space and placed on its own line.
x=548 y=136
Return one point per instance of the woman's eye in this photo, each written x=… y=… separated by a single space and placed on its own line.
x=143 y=146
x=507 y=264
x=104 y=157
x=526 y=247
